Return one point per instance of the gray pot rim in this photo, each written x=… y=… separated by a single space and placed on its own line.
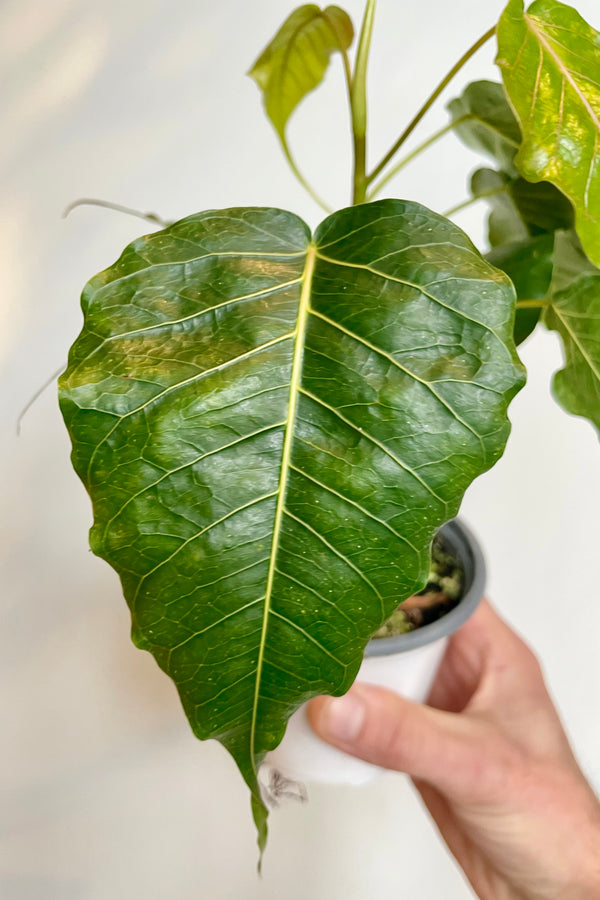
x=462 y=542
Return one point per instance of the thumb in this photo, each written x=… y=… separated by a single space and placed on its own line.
x=387 y=730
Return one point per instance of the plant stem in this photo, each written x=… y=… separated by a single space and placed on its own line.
x=301 y=178
x=466 y=203
x=416 y=152
x=38 y=394
x=348 y=75
x=358 y=105
x=532 y=304
x=106 y=204
x=429 y=102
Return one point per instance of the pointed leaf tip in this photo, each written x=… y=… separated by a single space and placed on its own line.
x=260 y=814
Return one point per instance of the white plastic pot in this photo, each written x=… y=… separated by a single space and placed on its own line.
x=406 y=664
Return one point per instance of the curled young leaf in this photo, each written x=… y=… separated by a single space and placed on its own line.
x=271 y=427
x=295 y=61
x=550 y=63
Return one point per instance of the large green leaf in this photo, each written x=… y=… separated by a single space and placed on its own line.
x=574 y=312
x=550 y=62
x=486 y=122
x=295 y=61
x=271 y=428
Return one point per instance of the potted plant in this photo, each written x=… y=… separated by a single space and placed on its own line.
x=273 y=424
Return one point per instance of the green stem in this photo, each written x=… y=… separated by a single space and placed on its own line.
x=301 y=178
x=358 y=105
x=429 y=102
x=466 y=203
x=348 y=76
x=416 y=152
x=106 y=204
x=35 y=396
x=532 y=304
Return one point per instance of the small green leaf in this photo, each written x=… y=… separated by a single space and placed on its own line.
x=271 y=427
x=571 y=261
x=520 y=209
x=505 y=224
x=295 y=61
x=541 y=206
x=528 y=264
x=487 y=123
x=550 y=62
x=574 y=312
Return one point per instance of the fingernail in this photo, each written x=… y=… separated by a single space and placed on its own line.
x=343 y=717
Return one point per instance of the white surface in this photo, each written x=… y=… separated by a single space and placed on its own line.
x=105 y=794
x=303 y=757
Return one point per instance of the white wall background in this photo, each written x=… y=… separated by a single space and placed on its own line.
x=105 y=794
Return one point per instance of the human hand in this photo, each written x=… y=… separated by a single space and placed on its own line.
x=491 y=761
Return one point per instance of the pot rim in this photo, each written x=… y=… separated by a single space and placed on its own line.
x=464 y=543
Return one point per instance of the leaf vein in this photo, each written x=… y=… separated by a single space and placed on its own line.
x=338 y=553
x=358 y=506
x=394 y=362
x=193 y=462
x=175 y=387
x=194 y=537
x=171 y=323
x=309 y=637
x=369 y=437
x=316 y=593
x=212 y=625
x=417 y=287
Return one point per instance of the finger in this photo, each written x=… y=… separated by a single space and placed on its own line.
x=458 y=676
x=490 y=636
x=485 y=663
x=385 y=729
x=464 y=661
x=511 y=676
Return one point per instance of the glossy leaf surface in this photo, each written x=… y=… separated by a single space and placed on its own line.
x=295 y=61
x=550 y=62
x=271 y=428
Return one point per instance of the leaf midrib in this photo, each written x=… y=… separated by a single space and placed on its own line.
x=286 y=68
x=565 y=72
x=300 y=332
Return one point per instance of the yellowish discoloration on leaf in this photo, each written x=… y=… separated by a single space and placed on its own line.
x=550 y=62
